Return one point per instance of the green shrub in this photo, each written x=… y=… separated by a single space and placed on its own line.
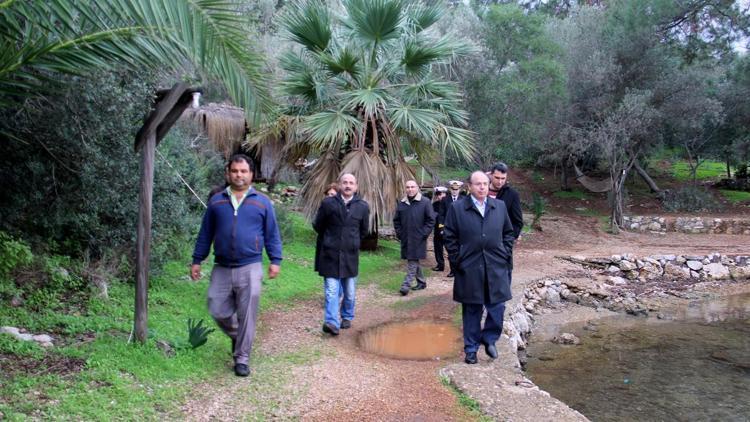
x=539 y=208
x=690 y=199
x=13 y=253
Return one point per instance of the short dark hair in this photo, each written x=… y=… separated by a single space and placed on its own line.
x=501 y=167
x=238 y=158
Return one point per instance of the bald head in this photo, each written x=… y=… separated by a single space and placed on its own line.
x=479 y=185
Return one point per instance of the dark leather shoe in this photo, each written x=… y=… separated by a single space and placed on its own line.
x=438 y=269
x=241 y=370
x=404 y=290
x=450 y=274
x=345 y=323
x=491 y=350
x=471 y=358
x=420 y=286
x=330 y=329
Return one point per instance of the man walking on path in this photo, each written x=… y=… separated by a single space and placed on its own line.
x=413 y=222
x=239 y=222
x=479 y=239
x=500 y=189
x=341 y=223
x=453 y=195
x=437 y=235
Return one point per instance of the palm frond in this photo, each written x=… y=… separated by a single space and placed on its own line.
x=419 y=123
x=375 y=182
x=328 y=128
x=458 y=140
x=344 y=61
x=309 y=24
x=325 y=171
x=374 y=21
x=422 y=16
x=370 y=100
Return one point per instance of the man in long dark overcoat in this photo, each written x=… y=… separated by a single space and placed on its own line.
x=480 y=260
x=341 y=223
x=437 y=235
x=413 y=222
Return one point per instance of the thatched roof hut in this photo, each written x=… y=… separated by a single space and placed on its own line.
x=224 y=124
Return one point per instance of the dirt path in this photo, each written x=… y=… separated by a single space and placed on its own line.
x=317 y=377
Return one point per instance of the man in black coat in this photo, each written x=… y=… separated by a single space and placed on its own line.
x=341 y=223
x=500 y=189
x=437 y=235
x=480 y=259
x=454 y=195
x=413 y=222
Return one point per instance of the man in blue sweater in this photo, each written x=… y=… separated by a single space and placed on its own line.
x=239 y=222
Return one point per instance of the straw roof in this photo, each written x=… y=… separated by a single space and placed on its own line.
x=224 y=124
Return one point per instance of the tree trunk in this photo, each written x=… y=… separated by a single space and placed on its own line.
x=432 y=173
x=646 y=178
x=370 y=242
x=729 y=169
x=564 y=176
x=143 y=240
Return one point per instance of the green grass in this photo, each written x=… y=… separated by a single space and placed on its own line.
x=124 y=381
x=708 y=170
x=468 y=403
x=571 y=194
x=735 y=196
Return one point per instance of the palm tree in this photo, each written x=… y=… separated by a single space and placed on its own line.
x=39 y=39
x=361 y=87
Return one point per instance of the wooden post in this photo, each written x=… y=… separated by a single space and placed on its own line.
x=143 y=242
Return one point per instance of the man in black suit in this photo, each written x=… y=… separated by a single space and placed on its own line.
x=437 y=235
x=453 y=195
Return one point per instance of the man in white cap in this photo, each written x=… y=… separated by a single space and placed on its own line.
x=454 y=194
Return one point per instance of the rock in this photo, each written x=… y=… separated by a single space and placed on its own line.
x=632 y=275
x=566 y=338
x=25 y=337
x=694 y=274
x=16 y=301
x=655 y=226
x=10 y=330
x=680 y=260
x=46 y=344
x=676 y=271
x=613 y=269
x=548 y=283
x=521 y=322
x=552 y=296
x=627 y=266
x=695 y=265
x=739 y=273
x=616 y=258
x=618 y=281
x=716 y=271
x=42 y=338
x=574 y=298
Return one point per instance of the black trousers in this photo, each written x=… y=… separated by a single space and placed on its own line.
x=437 y=246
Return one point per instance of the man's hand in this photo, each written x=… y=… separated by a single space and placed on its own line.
x=195 y=272
x=273 y=270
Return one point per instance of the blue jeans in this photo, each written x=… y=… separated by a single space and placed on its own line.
x=334 y=289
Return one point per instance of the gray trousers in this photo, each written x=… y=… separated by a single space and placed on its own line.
x=413 y=271
x=233 y=298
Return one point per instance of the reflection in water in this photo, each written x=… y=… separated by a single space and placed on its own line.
x=635 y=369
x=413 y=340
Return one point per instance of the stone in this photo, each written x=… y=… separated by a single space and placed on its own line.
x=613 y=270
x=521 y=322
x=618 y=281
x=566 y=338
x=42 y=338
x=739 y=273
x=47 y=345
x=25 y=337
x=616 y=258
x=627 y=265
x=695 y=265
x=716 y=271
x=10 y=330
x=548 y=283
x=632 y=275
x=680 y=260
x=694 y=274
x=16 y=301
x=552 y=296
x=676 y=271
x=574 y=298
x=655 y=227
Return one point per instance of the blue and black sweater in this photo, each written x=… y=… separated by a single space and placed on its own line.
x=239 y=239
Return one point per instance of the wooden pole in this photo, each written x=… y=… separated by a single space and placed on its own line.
x=143 y=242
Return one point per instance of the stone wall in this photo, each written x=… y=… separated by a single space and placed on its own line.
x=656 y=224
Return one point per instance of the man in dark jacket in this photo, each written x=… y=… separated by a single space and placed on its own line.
x=480 y=259
x=239 y=222
x=500 y=189
x=413 y=222
x=341 y=223
x=454 y=194
x=437 y=235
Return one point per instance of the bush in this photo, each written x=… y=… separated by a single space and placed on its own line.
x=13 y=253
x=71 y=177
x=690 y=199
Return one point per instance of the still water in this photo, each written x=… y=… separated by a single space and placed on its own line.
x=695 y=366
x=413 y=340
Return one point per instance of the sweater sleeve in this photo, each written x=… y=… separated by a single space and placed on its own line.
x=205 y=237
x=272 y=236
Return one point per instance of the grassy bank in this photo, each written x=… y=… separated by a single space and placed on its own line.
x=93 y=373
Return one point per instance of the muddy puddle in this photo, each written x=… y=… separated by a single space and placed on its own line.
x=692 y=365
x=413 y=340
